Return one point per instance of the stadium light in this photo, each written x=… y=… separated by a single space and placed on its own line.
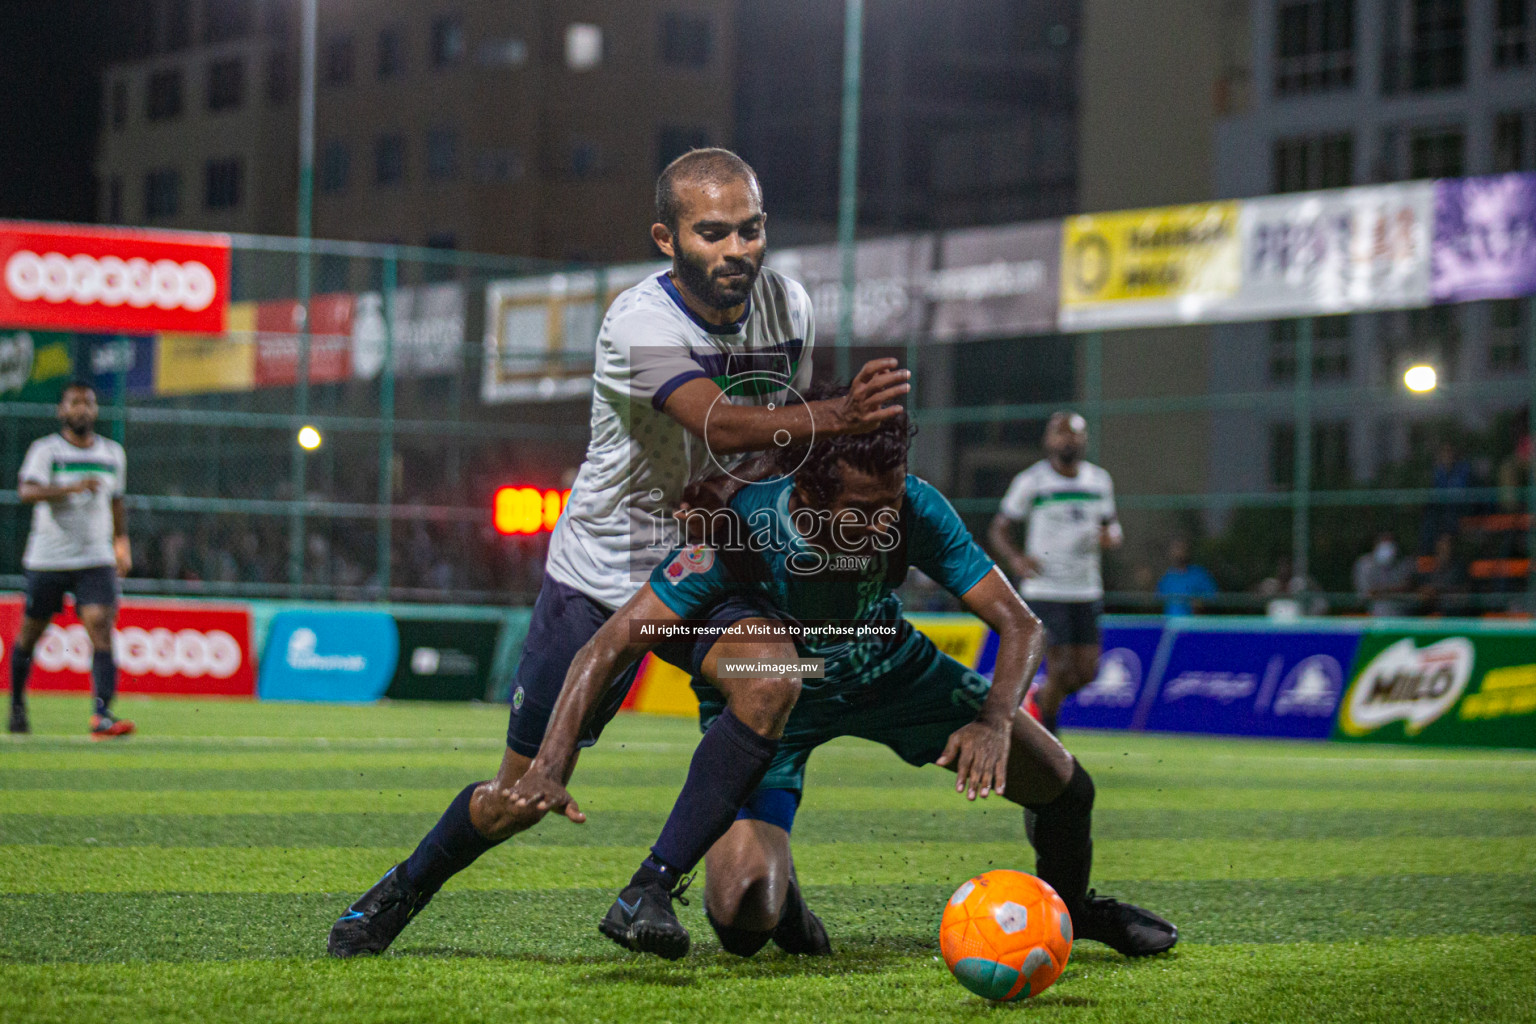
x=1420 y=379
x=524 y=511
x=309 y=438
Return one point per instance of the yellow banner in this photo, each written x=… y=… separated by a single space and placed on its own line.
x=193 y=364
x=1162 y=263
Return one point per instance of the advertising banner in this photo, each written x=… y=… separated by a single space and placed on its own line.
x=129 y=360
x=326 y=655
x=888 y=296
x=197 y=364
x=164 y=647
x=443 y=659
x=1125 y=675
x=1472 y=687
x=1315 y=253
x=1263 y=682
x=541 y=332
x=278 y=325
x=1485 y=238
x=429 y=331
x=108 y=280
x=34 y=365
x=994 y=282
x=1167 y=265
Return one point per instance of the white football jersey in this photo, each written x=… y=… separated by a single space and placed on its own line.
x=1064 y=515
x=73 y=532
x=618 y=525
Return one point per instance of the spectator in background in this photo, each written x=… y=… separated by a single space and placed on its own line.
x=1289 y=594
x=1452 y=476
x=1443 y=588
x=1383 y=578
x=1184 y=585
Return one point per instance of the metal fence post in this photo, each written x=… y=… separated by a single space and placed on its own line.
x=1301 y=476
x=387 y=429
x=848 y=192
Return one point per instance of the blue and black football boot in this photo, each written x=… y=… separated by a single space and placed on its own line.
x=380 y=914
x=641 y=919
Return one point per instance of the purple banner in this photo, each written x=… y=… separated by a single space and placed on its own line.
x=1485 y=238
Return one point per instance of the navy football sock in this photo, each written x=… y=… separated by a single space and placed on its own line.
x=1062 y=833
x=453 y=845
x=21 y=668
x=103 y=680
x=727 y=766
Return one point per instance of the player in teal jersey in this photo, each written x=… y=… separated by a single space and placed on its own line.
x=824 y=548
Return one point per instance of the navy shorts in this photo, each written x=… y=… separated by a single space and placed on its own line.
x=46 y=589
x=1074 y=623
x=564 y=619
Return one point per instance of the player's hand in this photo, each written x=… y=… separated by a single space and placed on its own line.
x=122 y=553
x=865 y=406
x=544 y=793
x=90 y=485
x=979 y=754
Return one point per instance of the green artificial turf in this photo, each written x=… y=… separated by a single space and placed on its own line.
x=191 y=873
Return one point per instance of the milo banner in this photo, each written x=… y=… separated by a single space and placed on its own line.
x=1469 y=687
x=1143 y=268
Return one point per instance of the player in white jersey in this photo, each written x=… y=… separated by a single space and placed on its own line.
x=693 y=368
x=74 y=480
x=1068 y=504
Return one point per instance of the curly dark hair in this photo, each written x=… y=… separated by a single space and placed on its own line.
x=816 y=465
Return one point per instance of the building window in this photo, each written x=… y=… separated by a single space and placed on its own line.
x=1512 y=33
x=1330 y=454
x=1314 y=46
x=115 y=199
x=447 y=41
x=1509 y=143
x=1506 y=343
x=672 y=143
x=335 y=166
x=389 y=160
x=584 y=160
x=583 y=46
x=510 y=52
x=162 y=194
x=221 y=188
x=685 y=39
x=498 y=166
x=224 y=20
x=178 y=25
x=1325 y=161
x=1426 y=45
x=442 y=154
x=226 y=84
x=445 y=240
x=119 y=105
x=279 y=19
x=1431 y=335
x=340 y=60
x=1437 y=153
x=391 y=53
x=279 y=78
x=164 y=98
x=1330 y=349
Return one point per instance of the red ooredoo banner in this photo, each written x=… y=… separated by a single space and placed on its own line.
x=161 y=647
x=107 y=280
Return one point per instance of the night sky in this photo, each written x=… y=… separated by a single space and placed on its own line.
x=51 y=56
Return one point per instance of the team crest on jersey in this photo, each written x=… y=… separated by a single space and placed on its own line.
x=693 y=558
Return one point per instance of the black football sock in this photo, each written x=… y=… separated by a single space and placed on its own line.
x=1062 y=833
x=453 y=845
x=21 y=668
x=795 y=932
x=103 y=680
x=729 y=763
x=741 y=941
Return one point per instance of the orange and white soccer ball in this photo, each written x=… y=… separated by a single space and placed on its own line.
x=1006 y=935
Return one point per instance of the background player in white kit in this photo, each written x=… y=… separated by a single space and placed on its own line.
x=1069 y=506
x=74 y=480
x=693 y=366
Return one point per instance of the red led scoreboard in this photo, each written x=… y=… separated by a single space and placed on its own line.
x=521 y=511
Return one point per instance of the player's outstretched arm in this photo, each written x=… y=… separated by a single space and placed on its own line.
x=729 y=429
x=610 y=651
x=979 y=751
x=1000 y=536
x=31 y=492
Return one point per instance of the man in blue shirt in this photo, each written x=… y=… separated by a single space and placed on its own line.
x=813 y=558
x=1183 y=585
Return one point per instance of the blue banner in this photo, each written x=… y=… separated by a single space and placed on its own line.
x=1125 y=674
x=128 y=358
x=1250 y=683
x=329 y=656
